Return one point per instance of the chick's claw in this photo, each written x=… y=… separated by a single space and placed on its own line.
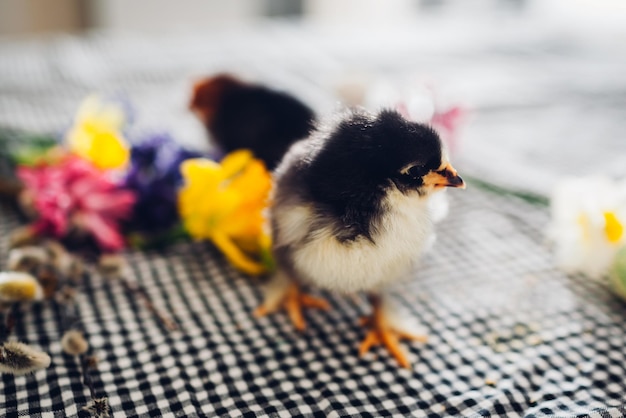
x=293 y=301
x=381 y=332
x=391 y=340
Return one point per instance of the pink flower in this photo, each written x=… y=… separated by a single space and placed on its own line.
x=447 y=123
x=418 y=101
x=74 y=195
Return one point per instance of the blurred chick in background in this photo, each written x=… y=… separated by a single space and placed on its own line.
x=241 y=115
x=352 y=211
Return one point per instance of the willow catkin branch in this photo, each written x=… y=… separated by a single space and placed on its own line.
x=138 y=290
x=10 y=188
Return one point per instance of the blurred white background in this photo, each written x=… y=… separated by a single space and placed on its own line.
x=40 y=17
x=543 y=80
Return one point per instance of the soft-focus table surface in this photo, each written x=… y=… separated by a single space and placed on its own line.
x=510 y=335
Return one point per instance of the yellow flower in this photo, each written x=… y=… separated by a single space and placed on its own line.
x=225 y=203
x=96 y=135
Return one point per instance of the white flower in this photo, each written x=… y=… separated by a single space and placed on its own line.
x=415 y=100
x=588 y=221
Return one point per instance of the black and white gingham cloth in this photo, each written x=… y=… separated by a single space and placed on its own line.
x=509 y=335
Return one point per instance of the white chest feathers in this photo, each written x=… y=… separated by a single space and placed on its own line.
x=404 y=232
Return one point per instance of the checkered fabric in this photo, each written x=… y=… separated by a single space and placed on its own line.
x=509 y=334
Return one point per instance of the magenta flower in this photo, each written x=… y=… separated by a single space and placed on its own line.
x=73 y=195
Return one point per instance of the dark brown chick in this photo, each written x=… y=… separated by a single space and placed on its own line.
x=242 y=115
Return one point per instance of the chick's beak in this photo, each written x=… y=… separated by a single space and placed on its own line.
x=445 y=177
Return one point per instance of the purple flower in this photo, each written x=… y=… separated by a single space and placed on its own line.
x=154 y=175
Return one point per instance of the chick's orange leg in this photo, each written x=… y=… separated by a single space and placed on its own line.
x=293 y=301
x=382 y=332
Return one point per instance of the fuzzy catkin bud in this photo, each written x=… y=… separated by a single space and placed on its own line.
x=112 y=266
x=74 y=343
x=18 y=358
x=19 y=287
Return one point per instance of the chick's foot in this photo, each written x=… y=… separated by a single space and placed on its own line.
x=381 y=331
x=293 y=300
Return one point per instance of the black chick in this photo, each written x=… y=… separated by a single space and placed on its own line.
x=240 y=115
x=351 y=213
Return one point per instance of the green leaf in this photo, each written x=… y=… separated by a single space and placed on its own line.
x=143 y=241
x=533 y=198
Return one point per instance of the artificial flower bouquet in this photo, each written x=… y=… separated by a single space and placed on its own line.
x=95 y=185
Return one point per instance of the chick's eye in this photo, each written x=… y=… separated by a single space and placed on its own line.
x=414 y=171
